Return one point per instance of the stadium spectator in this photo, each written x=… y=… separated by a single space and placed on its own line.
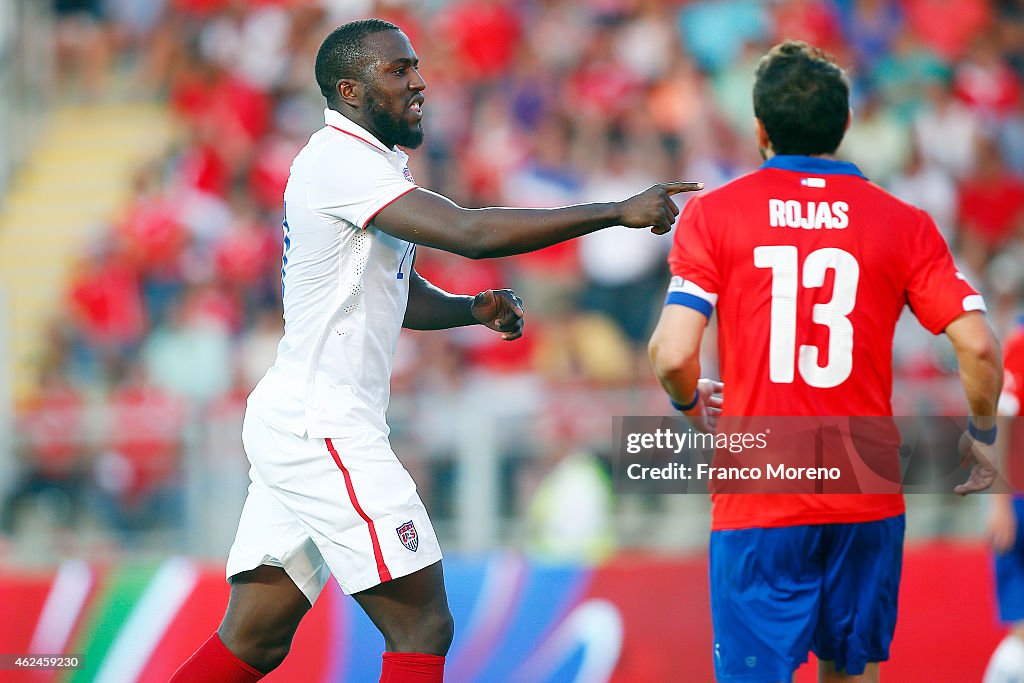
x=484 y=34
x=53 y=448
x=870 y=27
x=927 y=186
x=622 y=270
x=137 y=471
x=676 y=101
x=242 y=259
x=731 y=87
x=1011 y=137
x=190 y=355
x=106 y=308
x=879 y=144
x=945 y=118
x=814 y=22
x=715 y=32
x=985 y=82
x=83 y=47
x=990 y=206
x=948 y=26
x=646 y=42
x=902 y=75
x=150 y=229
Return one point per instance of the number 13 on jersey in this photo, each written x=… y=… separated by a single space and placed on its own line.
x=787 y=278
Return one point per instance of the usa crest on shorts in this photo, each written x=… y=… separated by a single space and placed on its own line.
x=408 y=536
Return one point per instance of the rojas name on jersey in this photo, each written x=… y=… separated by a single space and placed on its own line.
x=808 y=215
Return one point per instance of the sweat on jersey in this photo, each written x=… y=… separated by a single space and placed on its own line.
x=345 y=286
x=809 y=266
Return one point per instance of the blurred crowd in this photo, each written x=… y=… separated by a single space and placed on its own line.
x=529 y=102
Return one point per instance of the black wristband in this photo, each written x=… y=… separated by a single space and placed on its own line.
x=690 y=405
x=986 y=436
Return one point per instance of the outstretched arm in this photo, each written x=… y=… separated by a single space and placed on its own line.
x=432 y=220
x=432 y=308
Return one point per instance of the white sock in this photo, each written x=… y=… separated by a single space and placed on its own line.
x=1007 y=663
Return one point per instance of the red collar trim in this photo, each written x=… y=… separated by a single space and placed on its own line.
x=359 y=137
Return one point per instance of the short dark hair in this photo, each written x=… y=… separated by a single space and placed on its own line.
x=802 y=98
x=343 y=54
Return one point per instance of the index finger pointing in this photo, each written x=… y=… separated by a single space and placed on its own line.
x=677 y=187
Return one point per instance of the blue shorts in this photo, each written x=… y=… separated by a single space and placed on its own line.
x=1010 y=572
x=778 y=593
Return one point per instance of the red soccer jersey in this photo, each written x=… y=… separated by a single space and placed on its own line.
x=1011 y=404
x=809 y=266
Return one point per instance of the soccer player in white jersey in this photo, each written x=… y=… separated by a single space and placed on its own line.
x=328 y=495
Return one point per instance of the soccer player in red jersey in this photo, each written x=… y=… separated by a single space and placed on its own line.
x=809 y=266
x=1004 y=530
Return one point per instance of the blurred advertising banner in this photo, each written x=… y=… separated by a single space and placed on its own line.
x=635 y=619
x=796 y=455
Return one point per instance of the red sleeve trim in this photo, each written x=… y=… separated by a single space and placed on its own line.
x=386 y=205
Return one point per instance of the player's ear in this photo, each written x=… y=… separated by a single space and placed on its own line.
x=763 y=141
x=349 y=92
x=849 y=118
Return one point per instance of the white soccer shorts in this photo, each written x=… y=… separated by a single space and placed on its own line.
x=344 y=506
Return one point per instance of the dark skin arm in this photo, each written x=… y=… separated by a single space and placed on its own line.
x=432 y=308
x=432 y=220
x=426 y=218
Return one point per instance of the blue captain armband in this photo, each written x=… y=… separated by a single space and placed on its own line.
x=687 y=293
x=690 y=301
x=986 y=436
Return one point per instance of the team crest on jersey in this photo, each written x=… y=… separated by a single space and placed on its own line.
x=408 y=535
x=408 y=174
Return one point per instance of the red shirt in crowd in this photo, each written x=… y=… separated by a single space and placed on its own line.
x=107 y=303
x=52 y=424
x=990 y=207
x=152 y=233
x=146 y=431
x=485 y=36
x=948 y=26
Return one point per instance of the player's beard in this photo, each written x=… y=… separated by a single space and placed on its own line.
x=390 y=128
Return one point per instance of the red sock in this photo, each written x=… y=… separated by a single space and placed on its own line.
x=214 y=663
x=411 y=667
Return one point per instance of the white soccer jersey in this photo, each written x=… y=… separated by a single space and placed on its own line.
x=345 y=286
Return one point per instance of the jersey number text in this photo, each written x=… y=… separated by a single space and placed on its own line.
x=782 y=352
